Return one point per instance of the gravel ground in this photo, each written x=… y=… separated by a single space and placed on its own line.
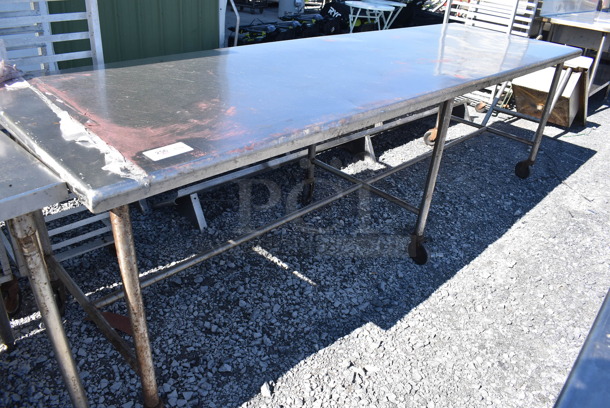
x=329 y=311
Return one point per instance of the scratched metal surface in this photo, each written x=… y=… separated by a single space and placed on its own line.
x=26 y=184
x=234 y=107
x=590 y=20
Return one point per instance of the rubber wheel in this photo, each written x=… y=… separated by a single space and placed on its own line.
x=430 y=137
x=418 y=253
x=481 y=107
x=522 y=169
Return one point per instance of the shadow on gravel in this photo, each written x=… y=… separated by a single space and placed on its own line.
x=597 y=104
x=219 y=331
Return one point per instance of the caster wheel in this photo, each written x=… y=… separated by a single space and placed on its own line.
x=11 y=296
x=418 y=253
x=430 y=137
x=522 y=169
x=481 y=107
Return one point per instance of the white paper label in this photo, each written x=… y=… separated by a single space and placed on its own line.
x=164 y=152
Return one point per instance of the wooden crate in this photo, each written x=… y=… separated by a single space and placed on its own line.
x=530 y=93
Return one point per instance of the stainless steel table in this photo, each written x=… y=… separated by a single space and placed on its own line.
x=121 y=134
x=587 y=29
x=26 y=186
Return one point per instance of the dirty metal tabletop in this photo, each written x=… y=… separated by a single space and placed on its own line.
x=26 y=185
x=124 y=133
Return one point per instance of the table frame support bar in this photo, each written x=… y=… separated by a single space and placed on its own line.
x=367 y=186
x=94 y=314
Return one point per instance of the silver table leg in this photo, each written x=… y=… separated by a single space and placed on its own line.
x=25 y=231
x=522 y=169
x=123 y=240
x=598 y=55
x=416 y=248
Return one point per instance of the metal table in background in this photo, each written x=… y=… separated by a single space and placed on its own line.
x=392 y=15
x=586 y=29
x=372 y=12
x=120 y=135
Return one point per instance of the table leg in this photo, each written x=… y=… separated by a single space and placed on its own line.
x=25 y=231
x=310 y=179
x=394 y=15
x=378 y=17
x=123 y=239
x=522 y=169
x=416 y=248
x=598 y=54
x=353 y=19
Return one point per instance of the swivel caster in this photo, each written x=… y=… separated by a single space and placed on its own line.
x=430 y=137
x=418 y=252
x=522 y=169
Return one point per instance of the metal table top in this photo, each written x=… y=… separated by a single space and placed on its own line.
x=588 y=20
x=26 y=184
x=124 y=133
